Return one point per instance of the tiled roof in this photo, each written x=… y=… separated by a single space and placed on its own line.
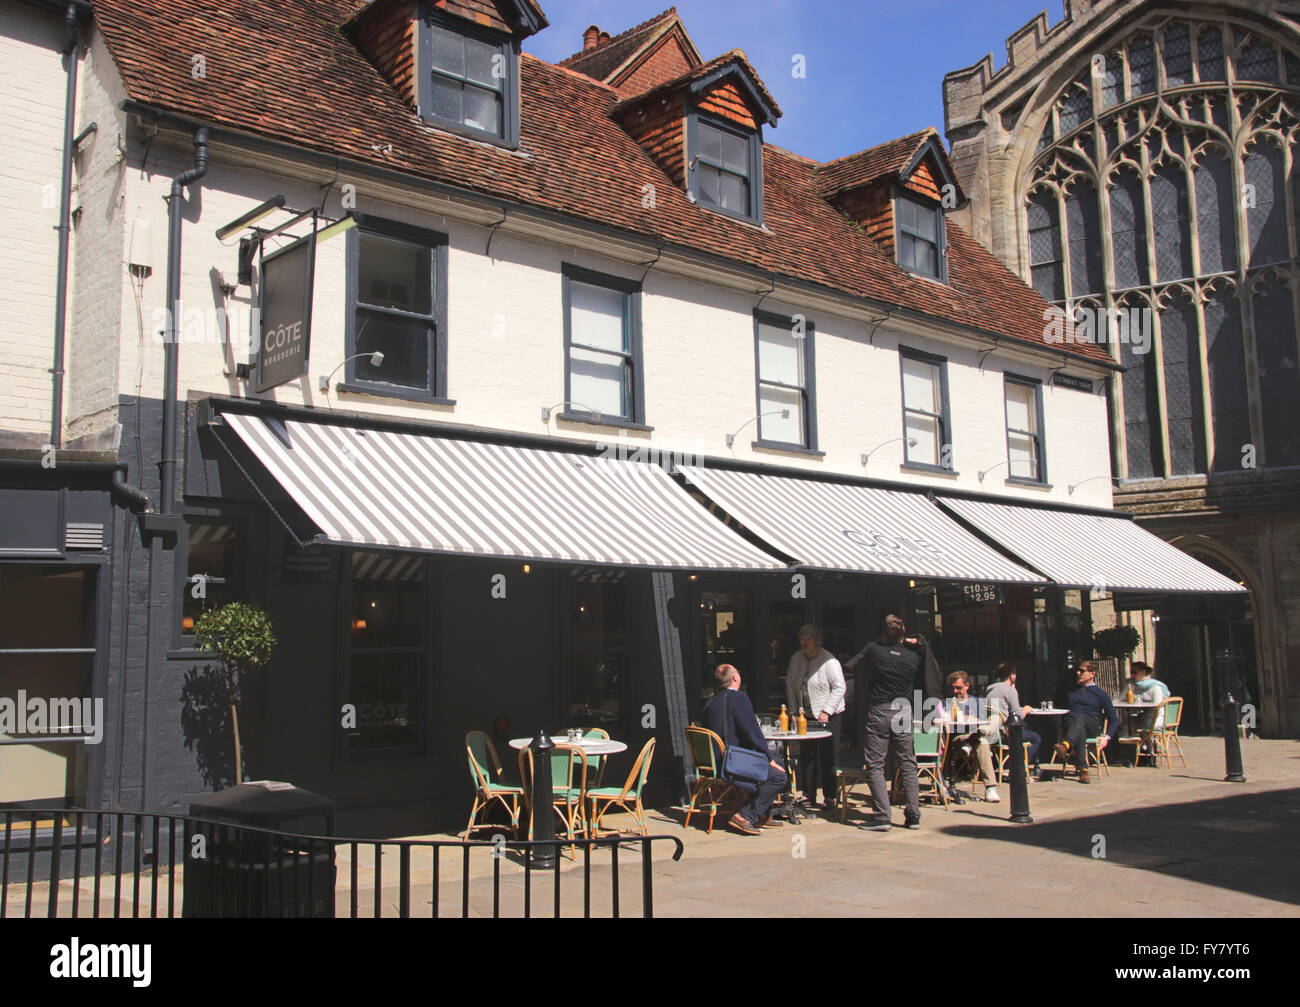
x=290 y=75
x=736 y=56
x=875 y=162
x=598 y=63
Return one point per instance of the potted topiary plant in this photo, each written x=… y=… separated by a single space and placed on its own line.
x=1118 y=642
x=241 y=637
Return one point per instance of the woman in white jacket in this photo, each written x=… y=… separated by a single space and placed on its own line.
x=815 y=681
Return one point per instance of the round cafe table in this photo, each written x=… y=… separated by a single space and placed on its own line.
x=1132 y=712
x=785 y=808
x=592 y=746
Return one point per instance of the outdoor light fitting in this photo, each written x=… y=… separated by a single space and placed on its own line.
x=547 y=410
x=251 y=217
x=731 y=438
x=1074 y=486
x=911 y=443
x=338 y=227
x=988 y=470
x=376 y=359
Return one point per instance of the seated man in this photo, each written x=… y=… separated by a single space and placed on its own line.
x=1089 y=707
x=974 y=741
x=730 y=715
x=1003 y=697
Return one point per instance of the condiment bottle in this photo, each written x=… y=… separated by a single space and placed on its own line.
x=803 y=722
x=784 y=720
x=1129 y=697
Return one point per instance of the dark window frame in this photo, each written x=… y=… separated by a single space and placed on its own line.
x=694 y=158
x=427 y=744
x=242 y=571
x=902 y=194
x=944 y=416
x=509 y=48
x=633 y=358
x=808 y=392
x=436 y=390
x=1039 y=438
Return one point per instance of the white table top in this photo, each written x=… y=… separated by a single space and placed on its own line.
x=592 y=746
x=1048 y=713
x=812 y=735
x=1136 y=706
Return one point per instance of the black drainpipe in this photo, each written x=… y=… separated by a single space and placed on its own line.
x=65 y=214
x=167 y=467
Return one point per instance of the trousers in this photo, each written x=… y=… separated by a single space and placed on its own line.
x=883 y=741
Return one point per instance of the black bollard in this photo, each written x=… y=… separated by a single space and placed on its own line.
x=543 y=857
x=1232 y=740
x=1019 y=779
x=1230 y=680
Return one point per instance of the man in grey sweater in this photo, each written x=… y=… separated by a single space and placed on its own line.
x=1003 y=697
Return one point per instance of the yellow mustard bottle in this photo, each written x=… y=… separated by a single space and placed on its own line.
x=803 y=722
x=785 y=720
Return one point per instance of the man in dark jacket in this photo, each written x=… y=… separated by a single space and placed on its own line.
x=730 y=715
x=894 y=667
x=1090 y=706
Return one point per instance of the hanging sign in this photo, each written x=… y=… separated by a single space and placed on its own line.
x=286 y=288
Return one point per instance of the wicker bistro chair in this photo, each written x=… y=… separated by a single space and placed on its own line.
x=706 y=759
x=846 y=780
x=627 y=797
x=1161 y=739
x=596 y=763
x=568 y=789
x=486 y=772
x=930 y=749
x=1002 y=751
x=1094 y=754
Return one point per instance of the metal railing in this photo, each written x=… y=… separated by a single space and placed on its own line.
x=113 y=864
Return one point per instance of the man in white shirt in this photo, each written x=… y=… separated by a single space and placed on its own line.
x=815 y=683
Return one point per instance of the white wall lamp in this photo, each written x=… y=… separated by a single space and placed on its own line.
x=911 y=443
x=988 y=470
x=547 y=410
x=731 y=437
x=376 y=359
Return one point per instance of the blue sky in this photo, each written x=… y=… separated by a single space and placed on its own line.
x=874 y=68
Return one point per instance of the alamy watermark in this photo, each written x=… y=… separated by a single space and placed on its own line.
x=1121 y=325
x=57 y=715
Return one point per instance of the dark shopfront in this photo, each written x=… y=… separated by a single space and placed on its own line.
x=753 y=622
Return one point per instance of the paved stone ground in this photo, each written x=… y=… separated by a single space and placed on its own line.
x=1177 y=842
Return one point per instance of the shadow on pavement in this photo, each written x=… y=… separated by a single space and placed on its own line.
x=1244 y=843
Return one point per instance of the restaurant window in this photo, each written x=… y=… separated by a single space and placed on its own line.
x=602 y=344
x=469 y=78
x=602 y=650
x=926 y=426
x=785 y=389
x=397 y=308
x=212 y=572
x=725 y=168
x=920 y=237
x=726 y=622
x=47 y=650
x=1024 y=411
x=386 y=672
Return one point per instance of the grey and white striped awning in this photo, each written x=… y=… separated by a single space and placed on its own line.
x=392 y=490
x=833 y=526
x=1091 y=551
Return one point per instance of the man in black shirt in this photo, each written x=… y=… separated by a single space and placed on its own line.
x=894 y=666
x=730 y=715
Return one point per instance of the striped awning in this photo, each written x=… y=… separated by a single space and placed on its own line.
x=1092 y=551
x=833 y=526
x=390 y=490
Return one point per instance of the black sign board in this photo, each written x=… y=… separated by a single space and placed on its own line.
x=309 y=566
x=286 y=285
x=1069 y=381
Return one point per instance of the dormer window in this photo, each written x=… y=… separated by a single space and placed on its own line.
x=725 y=171
x=920 y=239
x=468 y=78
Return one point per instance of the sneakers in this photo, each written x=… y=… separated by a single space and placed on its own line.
x=966 y=749
x=912 y=823
x=991 y=795
x=742 y=824
x=876 y=825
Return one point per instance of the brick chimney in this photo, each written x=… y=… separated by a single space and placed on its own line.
x=590 y=38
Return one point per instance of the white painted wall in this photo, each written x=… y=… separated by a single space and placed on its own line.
x=506 y=360
x=32 y=85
